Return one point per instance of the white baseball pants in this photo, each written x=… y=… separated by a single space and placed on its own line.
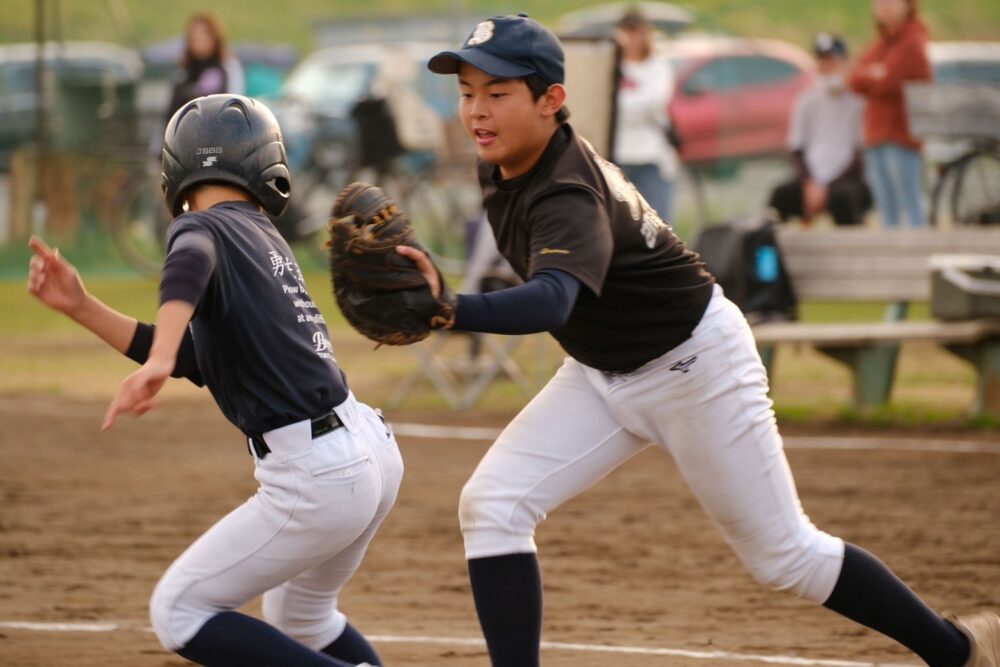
x=297 y=541
x=705 y=403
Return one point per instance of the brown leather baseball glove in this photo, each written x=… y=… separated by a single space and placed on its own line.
x=381 y=293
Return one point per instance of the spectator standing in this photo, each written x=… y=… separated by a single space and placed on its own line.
x=646 y=85
x=826 y=139
x=893 y=160
x=206 y=67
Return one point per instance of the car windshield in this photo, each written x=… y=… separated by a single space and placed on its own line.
x=324 y=84
x=968 y=71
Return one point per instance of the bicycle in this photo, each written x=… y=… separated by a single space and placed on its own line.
x=962 y=119
x=969 y=186
x=138 y=219
x=325 y=156
x=438 y=197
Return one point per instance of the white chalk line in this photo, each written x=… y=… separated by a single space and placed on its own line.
x=477 y=433
x=441 y=432
x=479 y=643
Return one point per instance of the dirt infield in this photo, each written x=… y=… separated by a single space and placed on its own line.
x=89 y=521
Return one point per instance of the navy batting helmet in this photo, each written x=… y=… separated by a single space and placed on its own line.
x=228 y=139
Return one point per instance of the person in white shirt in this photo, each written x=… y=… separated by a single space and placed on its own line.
x=826 y=142
x=641 y=147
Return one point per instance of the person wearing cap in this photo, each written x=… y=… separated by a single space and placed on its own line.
x=893 y=158
x=656 y=355
x=642 y=149
x=826 y=142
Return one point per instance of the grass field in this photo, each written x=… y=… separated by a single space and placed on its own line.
x=142 y=22
x=43 y=352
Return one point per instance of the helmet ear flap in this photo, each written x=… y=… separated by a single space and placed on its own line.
x=273 y=184
x=275 y=189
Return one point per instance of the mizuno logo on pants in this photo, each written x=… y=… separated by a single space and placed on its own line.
x=684 y=365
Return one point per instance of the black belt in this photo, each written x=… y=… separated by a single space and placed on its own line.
x=320 y=426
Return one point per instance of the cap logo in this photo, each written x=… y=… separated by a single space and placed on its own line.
x=483 y=33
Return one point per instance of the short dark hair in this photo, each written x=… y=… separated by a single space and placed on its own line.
x=538 y=87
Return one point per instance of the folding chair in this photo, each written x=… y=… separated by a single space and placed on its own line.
x=461 y=379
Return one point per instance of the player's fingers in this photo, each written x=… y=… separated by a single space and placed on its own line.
x=56 y=262
x=39 y=247
x=35 y=282
x=111 y=415
x=423 y=262
x=412 y=254
x=142 y=407
x=121 y=403
x=36 y=272
x=51 y=256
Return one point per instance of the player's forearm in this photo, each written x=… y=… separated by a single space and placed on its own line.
x=114 y=328
x=544 y=303
x=171 y=324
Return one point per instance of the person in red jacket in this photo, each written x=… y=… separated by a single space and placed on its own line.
x=893 y=160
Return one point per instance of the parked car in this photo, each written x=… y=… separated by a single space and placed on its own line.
x=90 y=89
x=331 y=81
x=733 y=96
x=968 y=63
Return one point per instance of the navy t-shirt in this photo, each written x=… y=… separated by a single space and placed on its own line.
x=262 y=346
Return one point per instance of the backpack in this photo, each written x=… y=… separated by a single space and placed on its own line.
x=746 y=261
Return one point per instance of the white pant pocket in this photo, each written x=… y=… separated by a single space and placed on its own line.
x=338 y=455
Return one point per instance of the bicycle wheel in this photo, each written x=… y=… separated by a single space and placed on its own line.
x=975 y=199
x=138 y=223
x=331 y=166
x=305 y=221
x=439 y=209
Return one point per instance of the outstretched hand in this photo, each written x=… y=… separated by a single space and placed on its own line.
x=137 y=391
x=425 y=266
x=52 y=280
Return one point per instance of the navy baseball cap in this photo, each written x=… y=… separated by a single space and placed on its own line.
x=508 y=47
x=826 y=44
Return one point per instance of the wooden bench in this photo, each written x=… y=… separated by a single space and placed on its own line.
x=890 y=266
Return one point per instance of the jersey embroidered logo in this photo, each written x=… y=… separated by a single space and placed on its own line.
x=482 y=34
x=624 y=191
x=684 y=365
x=553 y=251
x=321 y=342
x=651 y=226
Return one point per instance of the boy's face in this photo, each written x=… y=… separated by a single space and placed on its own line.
x=509 y=128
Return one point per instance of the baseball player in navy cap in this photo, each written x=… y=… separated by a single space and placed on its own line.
x=235 y=316
x=657 y=355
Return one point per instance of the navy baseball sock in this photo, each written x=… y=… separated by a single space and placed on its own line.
x=508 y=595
x=869 y=593
x=352 y=647
x=231 y=639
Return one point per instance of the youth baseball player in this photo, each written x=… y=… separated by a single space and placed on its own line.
x=657 y=355
x=235 y=316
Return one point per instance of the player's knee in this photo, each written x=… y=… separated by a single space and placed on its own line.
x=178 y=609
x=162 y=606
x=496 y=519
x=316 y=627
x=807 y=568
x=470 y=503
x=486 y=505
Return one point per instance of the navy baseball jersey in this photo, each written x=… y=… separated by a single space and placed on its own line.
x=261 y=344
x=576 y=212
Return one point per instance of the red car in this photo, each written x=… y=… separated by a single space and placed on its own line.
x=733 y=96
